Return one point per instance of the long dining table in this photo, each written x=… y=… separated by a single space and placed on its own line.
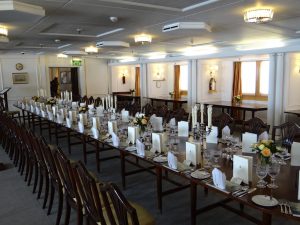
x=287 y=179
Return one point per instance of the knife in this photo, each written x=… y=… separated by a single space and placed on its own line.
x=247 y=192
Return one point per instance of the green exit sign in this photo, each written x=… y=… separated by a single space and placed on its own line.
x=76 y=62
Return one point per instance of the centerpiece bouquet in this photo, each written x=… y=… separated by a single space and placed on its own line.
x=265 y=149
x=35 y=98
x=142 y=122
x=51 y=101
x=237 y=98
x=83 y=109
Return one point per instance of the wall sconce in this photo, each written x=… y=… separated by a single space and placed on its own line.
x=212 y=87
x=158 y=79
x=123 y=79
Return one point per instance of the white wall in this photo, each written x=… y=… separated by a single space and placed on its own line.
x=116 y=78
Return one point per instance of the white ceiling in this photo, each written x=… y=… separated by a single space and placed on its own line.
x=63 y=17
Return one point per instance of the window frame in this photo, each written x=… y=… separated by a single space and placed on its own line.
x=257 y=95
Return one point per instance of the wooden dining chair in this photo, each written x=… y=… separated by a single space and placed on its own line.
x=148 y=109
x=105 y=204
x=91 y=100
x=255 y=125
x=288 y=132
x=98 y=102
x=223 y=120
x=72 y=198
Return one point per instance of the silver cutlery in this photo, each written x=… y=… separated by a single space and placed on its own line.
x=281 y=206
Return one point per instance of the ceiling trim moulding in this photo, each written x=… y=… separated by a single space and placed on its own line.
x=22 y=7
x=145 y=5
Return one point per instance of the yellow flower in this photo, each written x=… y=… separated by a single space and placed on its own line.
x=266 y=152
x=261 y=147
x=266 y=142
x=144 y=121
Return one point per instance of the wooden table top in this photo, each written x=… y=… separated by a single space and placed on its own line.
x=229 y=104
x=128 y=95
x=168 y=99
x=294 y=112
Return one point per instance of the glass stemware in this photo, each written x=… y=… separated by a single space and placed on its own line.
x=261 y=172
x=206 y=156
x=216 y=156
x=273 y=171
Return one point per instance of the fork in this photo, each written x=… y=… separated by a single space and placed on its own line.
x=288 y=208
x=281 y=203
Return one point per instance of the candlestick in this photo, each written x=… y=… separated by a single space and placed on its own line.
x=209 y=115
x=202 y=112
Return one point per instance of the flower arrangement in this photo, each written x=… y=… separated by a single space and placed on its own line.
x=131 y=90
x=171 y=93
x=83 y=109
x=35 y=98
x=265 y=150
x=237 y=98
x=142 y=122
x=51 y=101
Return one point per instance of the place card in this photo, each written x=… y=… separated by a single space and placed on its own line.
x=212 y=137
x=295 y=154
x=157 y=142
x=125 y=116
x=96 y=122
x=80 y=127
x=183 y=129
x=69 y=122
x=193 y=152
x=248 y=139
x=115 y=139
x=242 y=167
x=112 y=127
x=83 y=118
x=225 y=132
x=219 y=178
x=263 y=136
x=140 y=148
x=74 y=105
x=156 y=123
x=133 y=134
x=172 y=161
x=95 y=132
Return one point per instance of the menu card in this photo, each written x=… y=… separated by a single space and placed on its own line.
x=172 y=161
x=247 y=140
x=112 y=127
x=193 y=152
x=212 y=137
x=157 y=142
x=140 y=148
x=225 y=132
x=125 y=115
x=183 y=129
x=295 y=154
x=156 y=123
x=133 y=134
x=242 y=168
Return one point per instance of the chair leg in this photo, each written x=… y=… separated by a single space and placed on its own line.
x=79 y=217
x=46 y=192
x=52 y=192
x=36 y=178
x=30 y=173
x=68 y=212
x=60 y=206
x=40 y=185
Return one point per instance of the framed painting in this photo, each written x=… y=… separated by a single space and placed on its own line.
x=20 y=78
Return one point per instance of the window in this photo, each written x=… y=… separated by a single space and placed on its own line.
x=183 y=80
x=255 y=79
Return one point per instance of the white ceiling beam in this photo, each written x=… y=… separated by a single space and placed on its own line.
x=21 y=7
x=188 y=8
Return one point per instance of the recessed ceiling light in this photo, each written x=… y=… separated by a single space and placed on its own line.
x=125 y=59
x=143 y=38
x=113 y=19
x=258 y=15
x=61 y=55
x=91 y=49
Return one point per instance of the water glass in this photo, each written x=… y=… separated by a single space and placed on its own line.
x=273 y=171
x=261 y=172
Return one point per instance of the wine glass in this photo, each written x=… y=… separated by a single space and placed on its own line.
x=273 y=171
x=206 y=156
x=216 y=156
x=261 y=172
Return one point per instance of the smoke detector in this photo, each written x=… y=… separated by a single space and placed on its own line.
x=113 y=19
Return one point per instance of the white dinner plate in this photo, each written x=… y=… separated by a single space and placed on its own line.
x=130 y=148
x=264 y=200
x=200 y=174
x=160 y=159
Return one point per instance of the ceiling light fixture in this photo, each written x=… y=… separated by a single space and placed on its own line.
x=156 y=55
x=143 y=38
x=3 y=31
x=61 y=55
x=258 y=15
x=200 y=50
x=91 y=49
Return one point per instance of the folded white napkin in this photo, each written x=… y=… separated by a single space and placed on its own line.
x=140 y=148
x=133 y=134
x=74 y=105
x=37 y=110
x=69 y=122
x=248 y=140
x=112 y=127
x=225 y=132
x=137 y=114
x=295 y=154
x=125 y=115
x=32 y=108
x=96 y=122
x=100 y=110
x=55 y=110
x=91 y=106
x=172 y=161
x=83 y=118
x=23 y=106
x=80 y=127
x=219 y=178
x=27 y=107
x=50 y=115
x=212 y=137
x=157 y=142
x=95 y=132
x=172 y=122
x=48 y=107
x=183 y=129
x=157 y=123
x=115 y=139
x=44 y=114
x=60 y=118
x=263 y=136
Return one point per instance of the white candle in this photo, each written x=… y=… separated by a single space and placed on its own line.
x=71 y=96
x=209 y=115
x=106 y=102
x=115 y=102
x=111 y=101
x=202 y=112
x=61 y=95
x=102 y=99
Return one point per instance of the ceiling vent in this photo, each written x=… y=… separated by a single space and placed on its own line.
x=186 y=26
x=112 y=44
x=74 y=53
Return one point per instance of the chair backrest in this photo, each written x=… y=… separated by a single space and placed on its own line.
x=162 y=111
x=288 y=132
x=87 y=187
x=119 y=211
x=97 y=102
x=91 y=100
x=223 y=120
x=255 y=125
x=148 y=109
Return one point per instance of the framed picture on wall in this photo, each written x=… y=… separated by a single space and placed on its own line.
x=65 y=77
x=20 y=78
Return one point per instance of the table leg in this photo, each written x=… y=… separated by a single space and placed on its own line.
x=33 y=122
x=56 y=133
x=28 y=119
x=97 y=156
x=69 y=140
x=49 y=130
x=193 y=189
x=122 y=158
x=23 y=115
x=253 y=114
x=266 y=219
x=244 y=115
x=159 y=187
x=84 y=148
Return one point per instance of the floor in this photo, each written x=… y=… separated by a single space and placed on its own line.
x=19 y=206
